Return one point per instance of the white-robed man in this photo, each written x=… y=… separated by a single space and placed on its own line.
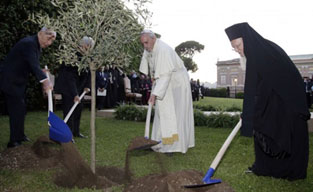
x=173 y=122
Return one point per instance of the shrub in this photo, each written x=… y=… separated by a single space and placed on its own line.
x=233 y=108
x=239 y=95
x=200 y=118
x=206 y=108
x=220 y=92
x=131 y=112
x=222 y=120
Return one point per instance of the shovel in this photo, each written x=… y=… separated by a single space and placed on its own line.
x=139 y=142
x=58 y=130
x=73 y=107
x=207 y=180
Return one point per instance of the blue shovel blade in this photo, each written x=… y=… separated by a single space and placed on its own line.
x=59 y=131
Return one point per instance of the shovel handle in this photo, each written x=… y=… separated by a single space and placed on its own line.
x=225 y=146
x=147 y=128
x=73 y=107
x=50 y=103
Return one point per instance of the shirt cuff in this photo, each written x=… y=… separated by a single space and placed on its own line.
x=41 y=81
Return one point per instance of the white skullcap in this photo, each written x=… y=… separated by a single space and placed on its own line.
x=147 y=31
x=87 y=41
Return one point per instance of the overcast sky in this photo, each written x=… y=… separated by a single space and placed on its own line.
x=288 y=23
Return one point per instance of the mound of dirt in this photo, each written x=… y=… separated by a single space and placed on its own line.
x=73 y=170
x=173 y=182
x=78 y=173
x=24 y=157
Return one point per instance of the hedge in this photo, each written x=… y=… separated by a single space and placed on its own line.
x=222 y=120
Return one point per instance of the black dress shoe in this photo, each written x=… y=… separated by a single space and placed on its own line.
x=26 y=139
x=14 y=144
x=249 y=170
x=81 y=136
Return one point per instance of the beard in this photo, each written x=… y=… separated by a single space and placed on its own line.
x=243 y=62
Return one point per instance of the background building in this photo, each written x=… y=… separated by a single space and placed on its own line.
x=230 y=74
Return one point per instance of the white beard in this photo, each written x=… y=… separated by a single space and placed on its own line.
x=243 y=62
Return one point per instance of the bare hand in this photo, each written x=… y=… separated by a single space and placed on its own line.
x=47 y=85
x=152 y=99
x=76 y=99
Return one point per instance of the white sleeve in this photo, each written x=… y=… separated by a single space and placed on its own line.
x=161 y=85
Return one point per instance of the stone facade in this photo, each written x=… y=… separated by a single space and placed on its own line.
x=230 y=74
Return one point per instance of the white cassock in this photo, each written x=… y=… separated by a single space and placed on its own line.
x=173 y=120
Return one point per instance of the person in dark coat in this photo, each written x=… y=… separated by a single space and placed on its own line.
x=71 y=84
x=274 y=105
x=22 y=60
x=101 y=87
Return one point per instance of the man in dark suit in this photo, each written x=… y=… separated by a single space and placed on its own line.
x=101 y=86
x=22 y=60
x=70 y=84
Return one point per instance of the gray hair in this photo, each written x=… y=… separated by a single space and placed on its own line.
x=148 y=32
x=87 y=41
x=48 y=31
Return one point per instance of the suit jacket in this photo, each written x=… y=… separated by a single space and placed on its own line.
x=102 y=80
x=22 y=60
x=70 y=82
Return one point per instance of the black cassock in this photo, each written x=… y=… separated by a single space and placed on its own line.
x=275 y=109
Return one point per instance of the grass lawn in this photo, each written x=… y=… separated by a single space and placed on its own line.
x=113 y=137
x=222 y=103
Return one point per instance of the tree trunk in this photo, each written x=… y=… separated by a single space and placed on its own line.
x=93 y=118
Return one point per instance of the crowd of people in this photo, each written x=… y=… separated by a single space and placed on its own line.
x=308 y=86
x=113 y=87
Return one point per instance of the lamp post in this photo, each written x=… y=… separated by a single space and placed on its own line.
x=235 y=80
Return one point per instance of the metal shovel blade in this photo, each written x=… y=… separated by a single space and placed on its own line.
x=58 y=131
x=141 y=143
x=201 y=185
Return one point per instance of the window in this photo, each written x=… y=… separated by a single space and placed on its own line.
x=223 y=79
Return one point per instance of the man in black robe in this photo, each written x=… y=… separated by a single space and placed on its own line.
x=71 y=84
x=274 y=106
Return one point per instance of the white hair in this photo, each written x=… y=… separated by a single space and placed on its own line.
x=148 y=32
x=87 y=41
x=49 y=31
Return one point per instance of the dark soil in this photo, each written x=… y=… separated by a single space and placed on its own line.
x=174 y=182
x=73 y=171
x=39 y=157
x=141 y=143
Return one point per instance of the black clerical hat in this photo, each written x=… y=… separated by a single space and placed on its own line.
x=235 y=31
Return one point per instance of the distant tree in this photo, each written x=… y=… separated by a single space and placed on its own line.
x=186 y=51
x=190 y=64
x=115 y=29
x=188 y=48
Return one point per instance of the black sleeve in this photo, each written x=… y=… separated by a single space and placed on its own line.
x=31 y=55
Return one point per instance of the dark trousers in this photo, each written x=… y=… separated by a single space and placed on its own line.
x=100 y=102
x=17 y=109
x=74 y=120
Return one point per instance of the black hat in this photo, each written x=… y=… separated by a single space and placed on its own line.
x=235 y=31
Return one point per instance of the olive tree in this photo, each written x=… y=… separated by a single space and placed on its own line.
x=113 y=26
